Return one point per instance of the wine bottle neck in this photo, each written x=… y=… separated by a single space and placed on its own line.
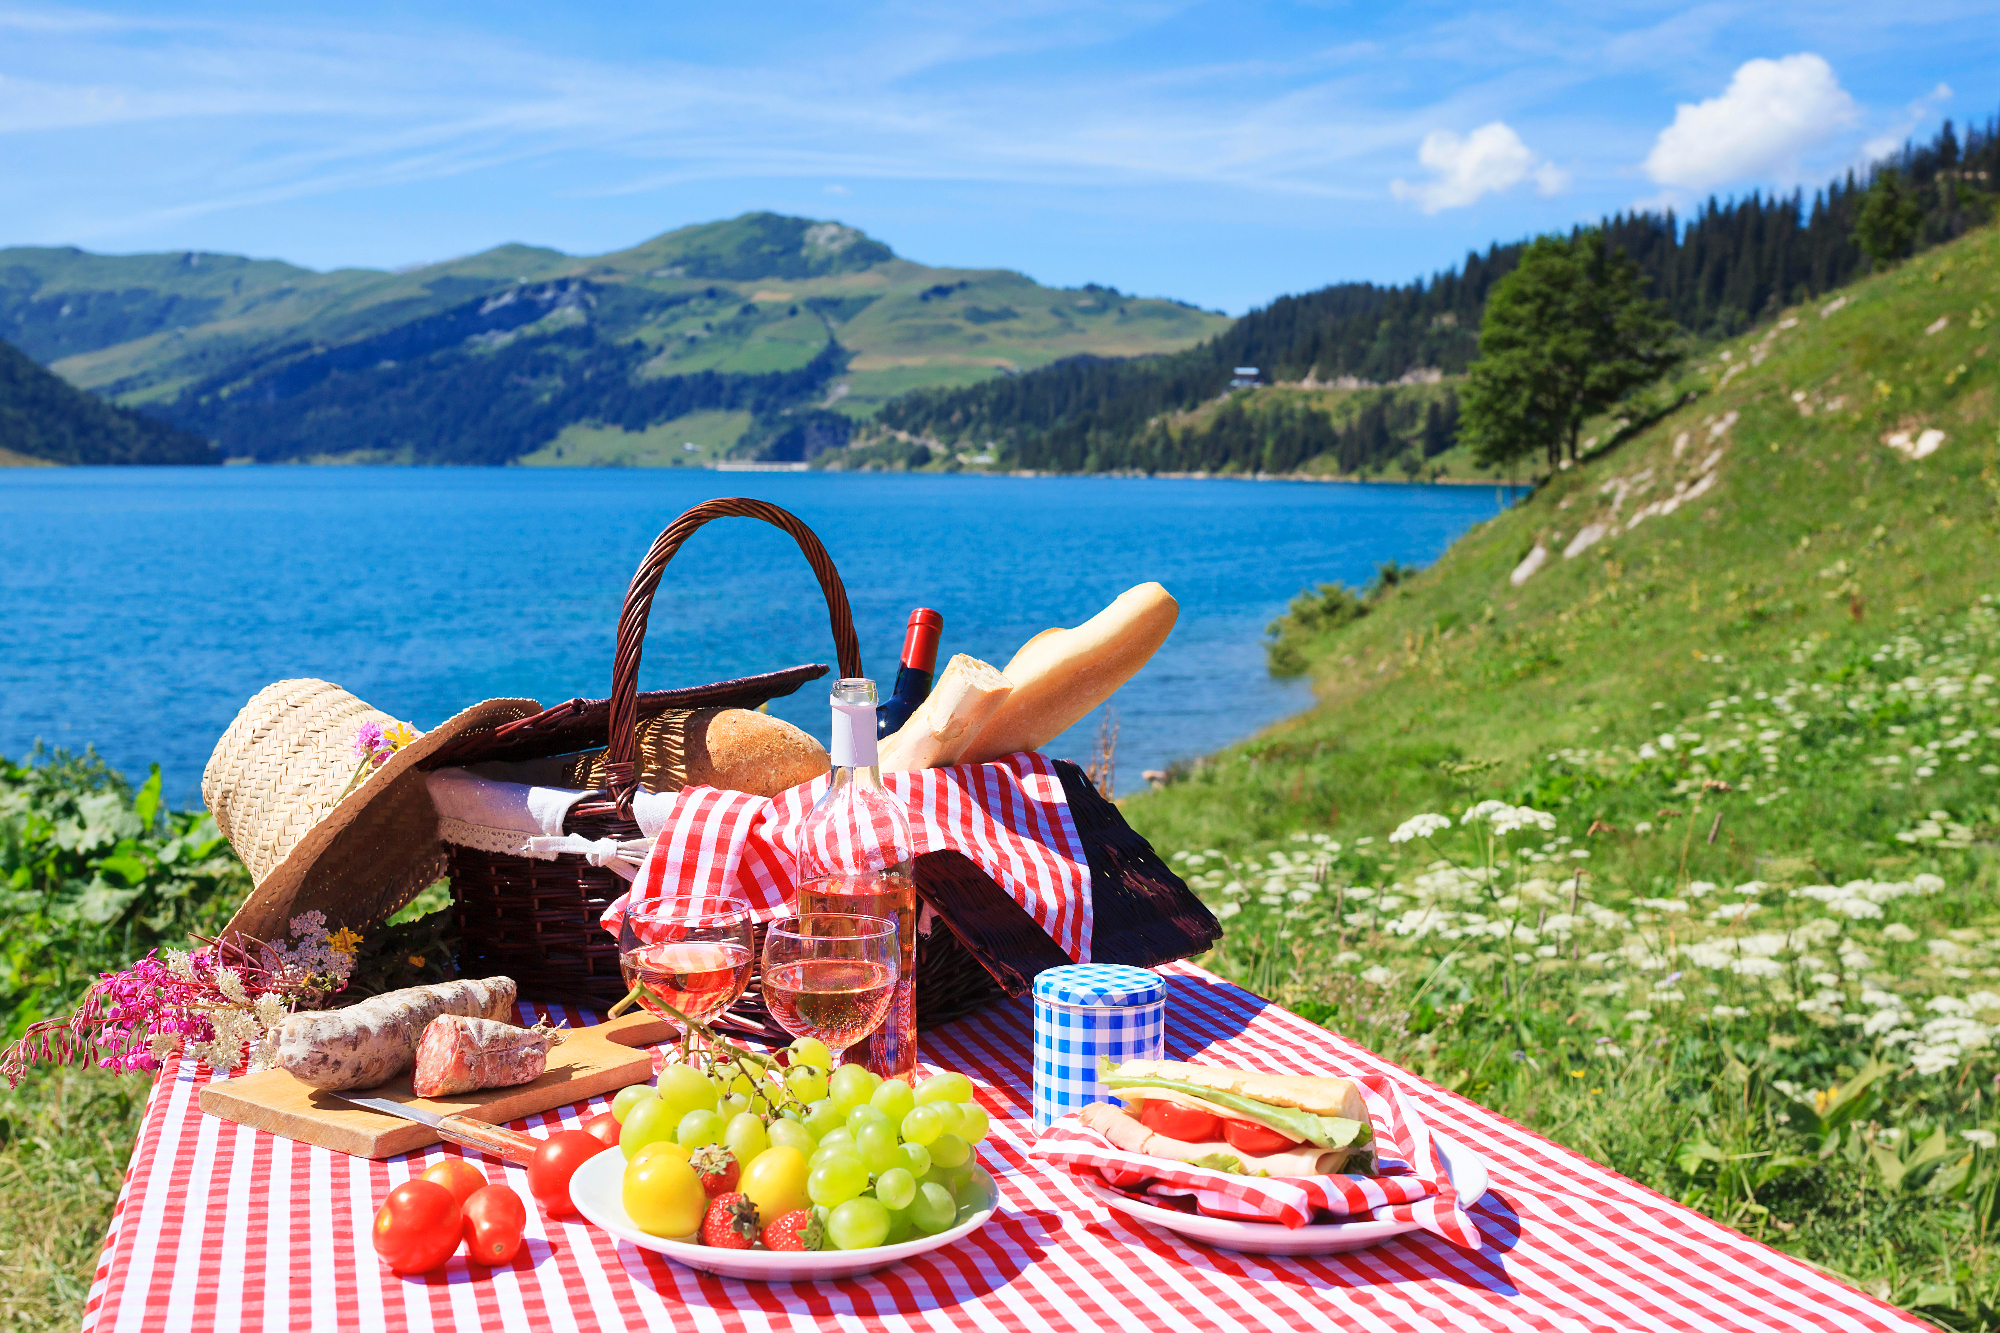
x=854 y=735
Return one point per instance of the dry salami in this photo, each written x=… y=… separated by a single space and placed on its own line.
x=460 y=1054
x=369 y=1043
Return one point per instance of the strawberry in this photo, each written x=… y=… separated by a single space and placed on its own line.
x=717 y=1168
x=799 y=1230
x=731 y=1223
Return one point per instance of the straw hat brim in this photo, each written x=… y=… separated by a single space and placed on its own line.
x=376 y=849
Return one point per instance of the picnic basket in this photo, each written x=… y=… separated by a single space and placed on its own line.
x=538 y=920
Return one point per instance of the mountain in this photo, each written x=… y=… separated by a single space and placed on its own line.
x=45 y=418
x=1725 y=268
x=518 y=350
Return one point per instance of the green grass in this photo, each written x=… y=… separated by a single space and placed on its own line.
x=65 y=1137
x=663 y=445
x=1817 y=630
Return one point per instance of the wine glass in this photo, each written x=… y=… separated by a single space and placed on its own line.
x=830 y=975
x=691 y=953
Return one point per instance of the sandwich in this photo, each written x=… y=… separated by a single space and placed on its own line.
x=1234 y=1120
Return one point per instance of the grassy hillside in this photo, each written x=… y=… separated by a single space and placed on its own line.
x=44 y=419
x=279 y=361
x=1751 y=679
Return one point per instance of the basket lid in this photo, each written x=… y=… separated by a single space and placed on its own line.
x=1100 y=986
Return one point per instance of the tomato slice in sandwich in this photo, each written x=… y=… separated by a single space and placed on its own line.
x=1180 y=1122
x=1248 y=1136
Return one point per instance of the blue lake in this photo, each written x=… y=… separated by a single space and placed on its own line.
x=139 y=608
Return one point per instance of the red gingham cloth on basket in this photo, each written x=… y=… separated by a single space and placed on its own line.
x=227 y=1228
x=1010 y=817
x=1411 y=1185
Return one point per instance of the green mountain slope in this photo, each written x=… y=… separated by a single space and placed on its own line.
x=276 y=361
x=1795 y=522
x=43 y=418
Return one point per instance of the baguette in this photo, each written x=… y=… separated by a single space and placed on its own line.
x=967 y=695
x=1061 y=675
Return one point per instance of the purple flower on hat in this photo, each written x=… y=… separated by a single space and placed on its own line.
x=369 y=742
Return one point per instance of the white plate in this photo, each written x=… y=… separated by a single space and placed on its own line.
x=1465 y=1167
x=597 y=1189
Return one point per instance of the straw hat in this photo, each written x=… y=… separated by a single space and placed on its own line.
x=274 y=786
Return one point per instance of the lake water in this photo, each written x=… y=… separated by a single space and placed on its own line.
x=140 y=607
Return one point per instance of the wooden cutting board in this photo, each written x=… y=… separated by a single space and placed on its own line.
x=591 y=1060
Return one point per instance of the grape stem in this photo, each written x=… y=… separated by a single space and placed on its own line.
x=748 y=1063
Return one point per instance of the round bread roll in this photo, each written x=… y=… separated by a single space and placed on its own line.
x=730 y=748
x=738 y=750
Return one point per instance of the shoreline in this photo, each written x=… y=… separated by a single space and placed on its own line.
x=21 y=462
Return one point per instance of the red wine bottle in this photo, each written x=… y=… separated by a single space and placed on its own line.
x=913 y=678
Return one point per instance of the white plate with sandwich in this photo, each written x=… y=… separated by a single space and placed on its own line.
x=1465 y=1167
x=1277 y=1125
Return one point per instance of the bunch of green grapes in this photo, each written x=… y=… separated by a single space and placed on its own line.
x=877 y=1158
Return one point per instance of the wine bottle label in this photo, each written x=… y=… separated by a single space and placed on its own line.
x=853 y=736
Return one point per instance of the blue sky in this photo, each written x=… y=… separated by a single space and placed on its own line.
x=1221 y=153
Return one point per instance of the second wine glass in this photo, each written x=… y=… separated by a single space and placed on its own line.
x=830 y=976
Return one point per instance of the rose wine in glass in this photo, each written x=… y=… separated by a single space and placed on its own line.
x=857 y=857
x=830 y=975
x=691 y=953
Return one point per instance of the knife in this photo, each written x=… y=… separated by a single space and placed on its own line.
x=509 y=1145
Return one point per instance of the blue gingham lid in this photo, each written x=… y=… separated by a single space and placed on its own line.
x=1099 y=986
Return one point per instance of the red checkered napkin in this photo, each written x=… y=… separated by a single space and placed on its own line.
x=1411 y=1185
x=1009 y=816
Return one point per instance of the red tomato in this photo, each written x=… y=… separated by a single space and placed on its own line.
x=417 y=1229
x=494 y=1220
x=459 y=1176
x=605 y=1127
x=1247 y=1136
x=1180 y=1122
x=555 y=1162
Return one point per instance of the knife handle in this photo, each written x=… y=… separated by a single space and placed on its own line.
x=509 y=1145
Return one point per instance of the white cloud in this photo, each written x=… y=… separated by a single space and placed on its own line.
x=838 y=189
x=1772 y=111
x=1490 y=159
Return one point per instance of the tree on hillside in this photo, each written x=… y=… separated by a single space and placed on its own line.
x=1568 y=333
x=1885 y=227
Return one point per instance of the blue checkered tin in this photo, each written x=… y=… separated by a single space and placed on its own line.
x=1085 y=1012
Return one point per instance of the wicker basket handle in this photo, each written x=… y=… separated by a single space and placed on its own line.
x=621 y=757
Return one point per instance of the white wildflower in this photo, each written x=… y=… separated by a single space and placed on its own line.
x=1900 y=933
x=1979 y=1138
x=1638 y=1015
x=1379 y=975
x=230 y=982
x=1420 y=826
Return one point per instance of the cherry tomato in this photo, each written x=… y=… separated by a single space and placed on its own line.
x=1180 y=1122
x=494 y=1220
x=418 y=1227
x=555 y=1162
x=1247 y=1136
x=459 y=1176
x=604 y=1127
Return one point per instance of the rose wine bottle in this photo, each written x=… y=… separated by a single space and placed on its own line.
x=913 y=677
x=856 y=856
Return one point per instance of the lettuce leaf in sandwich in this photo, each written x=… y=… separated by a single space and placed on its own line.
x=1320 y=1131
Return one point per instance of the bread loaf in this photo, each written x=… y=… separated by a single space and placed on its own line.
x=965 y=699
x=1060 y=675
x=730 y=748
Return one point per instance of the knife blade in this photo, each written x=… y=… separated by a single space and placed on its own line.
x=509 y=1145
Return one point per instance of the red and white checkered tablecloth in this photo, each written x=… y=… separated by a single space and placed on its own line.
x=224 y=1227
